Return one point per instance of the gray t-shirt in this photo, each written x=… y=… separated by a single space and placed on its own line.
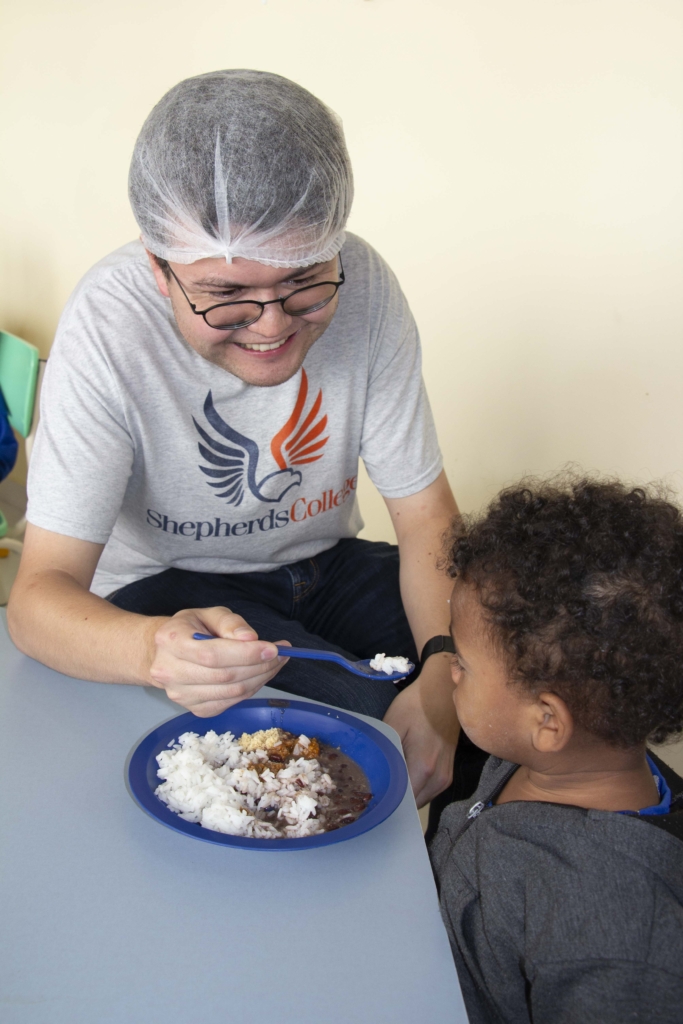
x=172 y=461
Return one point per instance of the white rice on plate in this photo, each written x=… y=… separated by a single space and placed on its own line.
x=212 y=780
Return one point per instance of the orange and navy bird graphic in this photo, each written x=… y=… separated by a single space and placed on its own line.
x=233 y=467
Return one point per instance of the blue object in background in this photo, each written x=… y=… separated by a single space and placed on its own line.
x=8 y=442
x=375 y=753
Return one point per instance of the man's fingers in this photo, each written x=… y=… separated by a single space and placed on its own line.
x=195 y=694
x=217 y=622
x=428 y=792
x=168 y=670
x=428 y=785
x=236 y=642
x=208 y=676
x=224 y=623
x=210 y=707
x=224 y=653
x=419 y=783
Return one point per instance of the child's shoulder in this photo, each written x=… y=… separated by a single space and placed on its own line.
x=566 y=821
x=563 y=883
x=573 y=834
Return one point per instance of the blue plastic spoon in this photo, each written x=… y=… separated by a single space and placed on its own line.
x=358 y=668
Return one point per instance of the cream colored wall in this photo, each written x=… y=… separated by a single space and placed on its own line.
x=518 y=162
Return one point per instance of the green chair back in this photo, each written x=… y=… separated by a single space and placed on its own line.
x=18 y=376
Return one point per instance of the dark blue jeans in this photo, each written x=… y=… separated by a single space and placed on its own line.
x=347 y=599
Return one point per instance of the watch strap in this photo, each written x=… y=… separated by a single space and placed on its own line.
x=435 y=646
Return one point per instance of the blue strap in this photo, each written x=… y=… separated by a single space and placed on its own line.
x=8 y=442
x=664 y=805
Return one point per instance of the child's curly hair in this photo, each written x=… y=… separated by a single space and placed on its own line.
x=582 y=584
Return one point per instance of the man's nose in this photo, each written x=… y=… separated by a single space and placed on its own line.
x=272 y=323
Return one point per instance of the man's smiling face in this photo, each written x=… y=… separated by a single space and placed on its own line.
x=267 y=352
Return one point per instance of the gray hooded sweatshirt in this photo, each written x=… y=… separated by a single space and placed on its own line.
x=558 y=914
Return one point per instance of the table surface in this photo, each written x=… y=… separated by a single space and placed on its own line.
x=107 y=916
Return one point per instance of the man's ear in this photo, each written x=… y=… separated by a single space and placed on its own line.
x=159 y=276
x=552 y=724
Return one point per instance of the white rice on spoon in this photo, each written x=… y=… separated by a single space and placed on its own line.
x=382 y=663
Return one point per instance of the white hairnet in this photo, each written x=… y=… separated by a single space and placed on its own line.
x=241 y=164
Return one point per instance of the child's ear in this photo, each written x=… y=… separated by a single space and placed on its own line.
x=552 y=724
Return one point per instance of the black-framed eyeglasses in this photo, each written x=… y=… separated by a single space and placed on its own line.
x=230 y=316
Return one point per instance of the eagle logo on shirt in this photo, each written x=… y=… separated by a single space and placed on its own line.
x=233 y=467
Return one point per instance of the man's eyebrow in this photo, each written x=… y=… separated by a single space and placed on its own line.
x=217 y=282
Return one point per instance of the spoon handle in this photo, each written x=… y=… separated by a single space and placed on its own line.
x=304 y=652
x=292 y=652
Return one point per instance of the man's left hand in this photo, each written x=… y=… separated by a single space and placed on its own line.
x=424 y=717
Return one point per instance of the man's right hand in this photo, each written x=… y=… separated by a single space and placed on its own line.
x=208 y=676
x=53 y=617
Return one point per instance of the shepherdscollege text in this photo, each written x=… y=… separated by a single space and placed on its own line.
x=299 y=511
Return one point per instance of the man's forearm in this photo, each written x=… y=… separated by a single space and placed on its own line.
x=421 y=523
x=55 y=620
x=425 y=592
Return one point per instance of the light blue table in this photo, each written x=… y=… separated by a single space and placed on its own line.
x=107 y=917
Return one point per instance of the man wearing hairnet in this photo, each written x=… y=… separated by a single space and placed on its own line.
x=209 y=393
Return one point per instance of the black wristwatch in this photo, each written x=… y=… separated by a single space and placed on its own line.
x=435 y=645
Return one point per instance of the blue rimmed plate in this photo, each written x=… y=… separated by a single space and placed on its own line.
x=378 y=757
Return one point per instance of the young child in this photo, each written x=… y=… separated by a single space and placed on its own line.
x=561 y=879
